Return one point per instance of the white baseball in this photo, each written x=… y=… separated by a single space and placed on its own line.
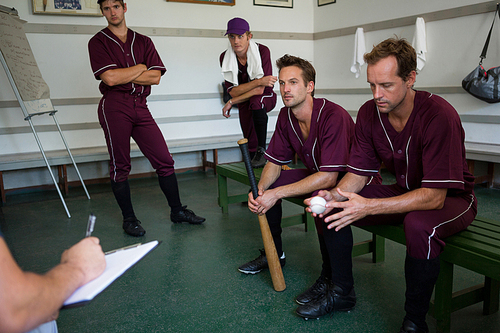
x=318 y=205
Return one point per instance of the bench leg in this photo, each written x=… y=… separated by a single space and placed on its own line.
x=378 y=250
x=443 y=297
x=2 y=189
x=63 y=178
x=308 y=220
x=207 y=164
x=215 y=154
x=491 y=296
x=222 y=193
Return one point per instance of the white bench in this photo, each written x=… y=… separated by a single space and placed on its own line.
x=60 y=158
x=486 y=152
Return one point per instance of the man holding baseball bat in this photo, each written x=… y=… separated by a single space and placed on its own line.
x=419 y=138
x=320 y=132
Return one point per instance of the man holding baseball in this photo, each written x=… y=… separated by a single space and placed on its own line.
x=419 y=138
x=320 y=133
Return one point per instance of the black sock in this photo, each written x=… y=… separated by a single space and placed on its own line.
x=170 y=188
x=260 y=124
x=273 y=216
x=121 y=190
x=421 y=276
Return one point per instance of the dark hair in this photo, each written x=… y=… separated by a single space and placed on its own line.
x=308 y=71
x=99 y=2
x=404 y=53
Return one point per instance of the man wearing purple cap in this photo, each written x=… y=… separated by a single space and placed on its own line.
x=127 y=64
x=247 y=70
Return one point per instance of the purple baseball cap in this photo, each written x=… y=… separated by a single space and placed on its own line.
x=237 y=26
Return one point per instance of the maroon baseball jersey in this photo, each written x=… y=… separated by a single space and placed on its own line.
x=327 y=147
x=108 y=52
x=428 y=152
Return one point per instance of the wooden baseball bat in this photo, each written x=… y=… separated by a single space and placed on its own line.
x=271 y=254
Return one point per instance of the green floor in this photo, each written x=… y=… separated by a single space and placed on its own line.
x=190 y=283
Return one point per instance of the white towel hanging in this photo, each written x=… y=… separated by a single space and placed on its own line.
x=359 y=51
x=254 y=64
x=420 y=43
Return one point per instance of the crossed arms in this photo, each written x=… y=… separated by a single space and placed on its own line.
x=138 y=74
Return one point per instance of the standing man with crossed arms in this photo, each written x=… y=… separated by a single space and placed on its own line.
x=248 y=74
x=320 y=132
x=127 y=65
x=419 y=138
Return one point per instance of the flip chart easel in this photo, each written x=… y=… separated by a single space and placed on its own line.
x=30 y=89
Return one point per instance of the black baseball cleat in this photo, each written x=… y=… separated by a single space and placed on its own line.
x=257 y=265
x=331 y=301
x=317 y=290
x=132 y=226
x=258 y=161
x=410 y=327
x=186 y=215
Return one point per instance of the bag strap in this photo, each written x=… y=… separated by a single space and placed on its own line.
x=486 y=44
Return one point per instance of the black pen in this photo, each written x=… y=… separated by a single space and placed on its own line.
x=90 y=225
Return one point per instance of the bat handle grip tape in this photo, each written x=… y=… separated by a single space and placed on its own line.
x=243 y=143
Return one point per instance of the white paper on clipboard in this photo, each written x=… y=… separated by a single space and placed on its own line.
x=117 y=263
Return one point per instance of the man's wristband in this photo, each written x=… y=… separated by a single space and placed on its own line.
x=231 y=101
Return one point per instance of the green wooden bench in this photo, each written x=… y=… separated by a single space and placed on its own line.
x=477 y=248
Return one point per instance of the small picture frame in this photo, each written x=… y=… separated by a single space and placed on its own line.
x=208 y=2
x=66 y=7
x=325 y=2
x=274 y=3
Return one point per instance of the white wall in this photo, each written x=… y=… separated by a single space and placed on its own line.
x=454 y=46
x=192 y=63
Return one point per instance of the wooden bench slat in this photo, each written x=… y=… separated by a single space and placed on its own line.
x=487 y=226
x=494 y=236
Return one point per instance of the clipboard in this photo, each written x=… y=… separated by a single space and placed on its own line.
x=117 y=262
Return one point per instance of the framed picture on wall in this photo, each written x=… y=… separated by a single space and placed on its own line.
x=325 y=2
x=66 y=7
x=208 y=2
x=274 y=3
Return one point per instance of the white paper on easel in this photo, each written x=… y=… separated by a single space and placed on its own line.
x=20 y=59
x=116 y=264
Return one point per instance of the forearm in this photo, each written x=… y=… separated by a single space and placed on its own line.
x=246 y=96
x=33 y=299
x=419 y=199
x=28 y=300
x=316 y=181
x=269 y=175
x=148 y=78
x=253 y=87
x=114 y=77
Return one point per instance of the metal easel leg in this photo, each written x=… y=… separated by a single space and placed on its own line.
x=48 y=166
x=53 y=114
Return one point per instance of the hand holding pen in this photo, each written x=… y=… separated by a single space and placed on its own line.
x=90 y=225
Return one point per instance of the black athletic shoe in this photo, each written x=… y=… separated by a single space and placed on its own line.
x=258 y=161
x=317 y=290
x=410 y=327
x=132 y=226
x=186 y=215
x=328 y=303
x=256 y=265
